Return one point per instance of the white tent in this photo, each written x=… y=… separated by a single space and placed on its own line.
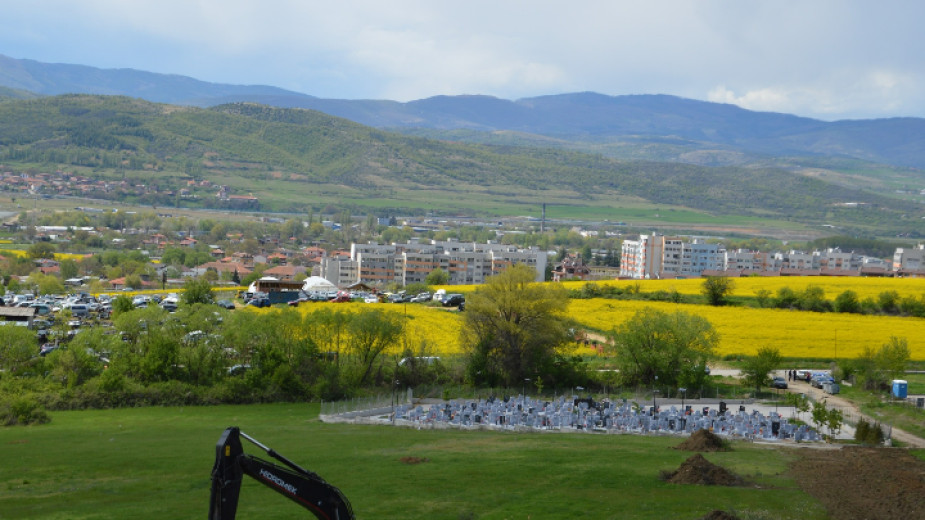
x=253 y=286
x=317 y=284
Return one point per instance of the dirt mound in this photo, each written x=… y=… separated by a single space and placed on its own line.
x=413 y=460
x=864 y=483
x=698 y=470
x=719 y=515
x=703 y=440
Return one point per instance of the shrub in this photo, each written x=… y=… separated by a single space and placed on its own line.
x=23 y=411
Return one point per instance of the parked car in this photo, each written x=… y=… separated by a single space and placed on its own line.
x=259 y=302
x=779 y=382
x=226 y=304
x=453 y=300
x=820 y=379
x=421 y=298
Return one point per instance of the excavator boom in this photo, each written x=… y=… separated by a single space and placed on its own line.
x=303 y=487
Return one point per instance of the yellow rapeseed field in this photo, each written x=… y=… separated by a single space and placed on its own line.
x=58 y=256
x=434 y=328
x=750 y=285
x=794 y=333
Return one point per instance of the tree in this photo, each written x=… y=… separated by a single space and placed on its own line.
x=437 y=277
x=122 y=304
x=758 y=367
x=68 y=268
x=847 y=301
x=46 y=283
x=893 y=357
x=197 y=291
x=668 y=348
x=371 y=333
x=813 y=299
x=513 y=328
x=717 y=289
x=41 y=250
x=17 y=349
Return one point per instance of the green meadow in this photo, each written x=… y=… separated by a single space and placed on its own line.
x=155 y=463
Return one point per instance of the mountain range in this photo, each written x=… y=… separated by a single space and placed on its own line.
x=595 y=120
x=648 y=148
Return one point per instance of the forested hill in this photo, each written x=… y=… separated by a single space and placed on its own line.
x=662 y=127
x=298 y=150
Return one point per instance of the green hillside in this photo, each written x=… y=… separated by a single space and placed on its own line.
x=292 y=159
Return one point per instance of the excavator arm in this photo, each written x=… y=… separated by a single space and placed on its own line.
x=301 y=486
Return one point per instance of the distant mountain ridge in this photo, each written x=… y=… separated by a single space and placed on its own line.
x=587 y=117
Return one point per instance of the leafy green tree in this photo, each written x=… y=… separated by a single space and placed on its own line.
x=371 y=334
x=69 y=268
x=133 y=281
x=757 y=368
x=197 y=290
x=820 y=415
x=17 y=348
x=46 y=283
x=847 y=301
x=717 y=289
x=668 y=348
x=80 y=361
x=513 y=328
x=41 y=250
x=835 y=420
x=437 y=277
x=893 y=358
x=150 y=350
x=889 y=302
x=813 y=299
x=786 y=298
x=121 y=304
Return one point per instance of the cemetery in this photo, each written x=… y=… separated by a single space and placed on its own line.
x=573 y=414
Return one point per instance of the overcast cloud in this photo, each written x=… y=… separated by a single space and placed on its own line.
x=830 y=60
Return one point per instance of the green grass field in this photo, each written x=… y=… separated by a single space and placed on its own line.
x=155 y=463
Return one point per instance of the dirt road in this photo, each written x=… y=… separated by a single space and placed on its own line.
x=846 y=405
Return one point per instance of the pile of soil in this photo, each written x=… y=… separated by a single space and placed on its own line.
x=719 y=515
x=413 y=460
x=698 y=470
x=863 y=483
x=703 y=440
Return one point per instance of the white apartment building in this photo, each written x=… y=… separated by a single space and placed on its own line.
x=909 y=259
x=642 y=259
x=657 y=256
x=745 y=260
x=466 y=263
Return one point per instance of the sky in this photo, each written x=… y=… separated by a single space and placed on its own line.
x=826 y=59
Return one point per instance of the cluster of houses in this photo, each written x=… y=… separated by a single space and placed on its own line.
x=64 y=184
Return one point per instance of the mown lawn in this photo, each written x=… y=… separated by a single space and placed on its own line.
x=155 y=463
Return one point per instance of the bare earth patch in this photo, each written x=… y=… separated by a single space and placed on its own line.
x=864 y=483
x=413 y=460
x=703 y=441
x=698 y=470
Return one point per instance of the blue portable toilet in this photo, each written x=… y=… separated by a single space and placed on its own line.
x=900 y=387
